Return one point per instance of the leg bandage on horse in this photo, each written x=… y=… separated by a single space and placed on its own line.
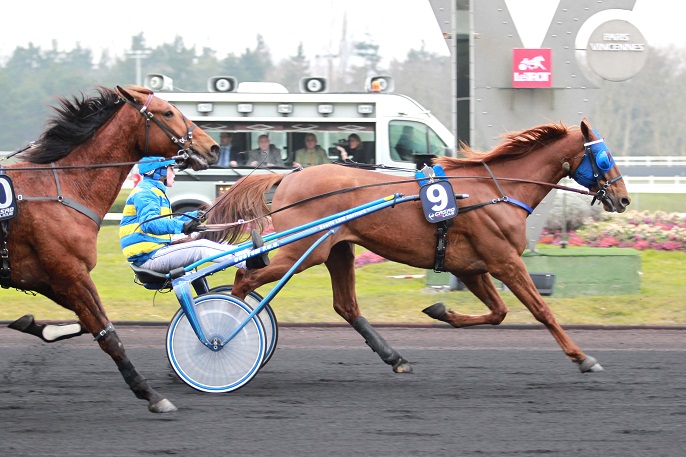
x=377 y=342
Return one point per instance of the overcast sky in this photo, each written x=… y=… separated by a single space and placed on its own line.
x=230 y=26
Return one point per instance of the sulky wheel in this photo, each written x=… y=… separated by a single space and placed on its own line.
x=223 y=369
x=267 y=316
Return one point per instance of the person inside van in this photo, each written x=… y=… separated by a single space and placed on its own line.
x=266 y=154
x=406 y=145
x=228 y=152
x=312 y=154
x=355 y=150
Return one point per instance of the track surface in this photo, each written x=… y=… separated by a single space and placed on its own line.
x=475 y=392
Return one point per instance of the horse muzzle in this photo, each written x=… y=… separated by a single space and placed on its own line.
x=191 y=157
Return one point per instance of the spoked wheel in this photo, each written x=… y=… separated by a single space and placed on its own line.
x=223 y=369
x=267 y=315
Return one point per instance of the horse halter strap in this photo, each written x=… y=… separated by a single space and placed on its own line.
x=4 y=252
x=83 y=209
x=180 y=141
x=592 y=151
x=504 y=198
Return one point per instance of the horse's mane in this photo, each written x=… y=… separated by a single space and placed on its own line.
x=76 y=121
x=512 y=145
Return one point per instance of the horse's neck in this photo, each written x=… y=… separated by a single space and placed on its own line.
x=98 y=188
x=543 y=165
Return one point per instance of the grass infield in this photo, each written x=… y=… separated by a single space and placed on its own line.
x=307 y=297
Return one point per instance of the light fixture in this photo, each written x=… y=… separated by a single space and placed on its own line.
x=284 y=108
x=365 y=109
x=244 y=108
x=205 y=107
x=325 y=109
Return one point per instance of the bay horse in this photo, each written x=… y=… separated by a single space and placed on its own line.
x=66 y=184
x=503 y=185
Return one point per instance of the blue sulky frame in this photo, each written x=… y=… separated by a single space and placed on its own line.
x=221 y=370
x=329 y=225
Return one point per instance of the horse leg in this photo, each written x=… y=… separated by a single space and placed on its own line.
x=483 y=288
x=341 y=266
x=47 y=332
x=82 y=298
x=522 y=286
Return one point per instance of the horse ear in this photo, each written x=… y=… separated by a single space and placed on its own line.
x=125 y=94
x=585 y=129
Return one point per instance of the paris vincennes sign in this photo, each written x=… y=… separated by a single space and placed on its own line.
x=531 y=68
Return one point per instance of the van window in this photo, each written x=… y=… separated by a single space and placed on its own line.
x=409 y=139
x=289 y=136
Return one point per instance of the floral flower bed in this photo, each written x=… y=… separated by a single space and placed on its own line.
x=639 y=230
x=365 y=258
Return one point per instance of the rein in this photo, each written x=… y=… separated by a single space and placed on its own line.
x=180 y=141
x=219 y=227
x=183 y=156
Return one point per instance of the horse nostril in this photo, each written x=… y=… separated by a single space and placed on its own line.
x=626 y=201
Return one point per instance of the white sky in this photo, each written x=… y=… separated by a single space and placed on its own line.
x=230 y=26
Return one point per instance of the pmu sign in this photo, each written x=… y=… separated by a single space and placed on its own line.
x=531 y=68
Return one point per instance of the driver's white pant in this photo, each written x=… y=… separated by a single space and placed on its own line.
x=184 y=254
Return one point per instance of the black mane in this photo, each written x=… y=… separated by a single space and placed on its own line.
x=76 y=122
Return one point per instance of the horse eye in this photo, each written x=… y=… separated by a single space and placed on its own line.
x=168 y=114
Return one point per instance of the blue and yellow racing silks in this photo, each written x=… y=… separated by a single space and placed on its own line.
x=140 y=239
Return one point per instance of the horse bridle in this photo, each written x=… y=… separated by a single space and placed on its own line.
x=589 y=156
x=180 y=141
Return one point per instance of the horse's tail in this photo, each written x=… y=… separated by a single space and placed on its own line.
x=245 y=200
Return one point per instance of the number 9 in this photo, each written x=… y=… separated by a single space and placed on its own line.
x=437 y=194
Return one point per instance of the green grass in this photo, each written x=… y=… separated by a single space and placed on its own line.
x=670 y=203
x=307 y=297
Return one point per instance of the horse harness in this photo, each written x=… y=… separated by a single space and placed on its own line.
x=184 y=153
x=4 y=230
x=427 y=176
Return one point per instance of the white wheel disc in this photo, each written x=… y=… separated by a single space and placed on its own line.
x=228 y=368
x=267 y=316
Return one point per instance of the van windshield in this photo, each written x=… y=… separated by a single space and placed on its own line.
x=408 y=140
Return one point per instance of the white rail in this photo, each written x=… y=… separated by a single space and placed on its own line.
x=651 y=161
x=656 y=184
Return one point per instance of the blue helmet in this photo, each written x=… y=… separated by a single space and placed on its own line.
x=154 y=167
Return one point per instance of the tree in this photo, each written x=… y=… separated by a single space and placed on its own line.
x=290 y=71
x=426 y=77
x=252 y=65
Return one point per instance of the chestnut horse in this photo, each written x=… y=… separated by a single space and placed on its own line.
x=483 y=243
x=65 y=185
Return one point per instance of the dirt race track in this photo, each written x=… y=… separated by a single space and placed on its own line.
x=474 y=392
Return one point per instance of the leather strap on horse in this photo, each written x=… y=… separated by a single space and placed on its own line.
x=66 y=201
x=4 y=252
x=4 y=256
x=441 y=245
x=503 y=198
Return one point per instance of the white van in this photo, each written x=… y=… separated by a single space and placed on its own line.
x=248 y=110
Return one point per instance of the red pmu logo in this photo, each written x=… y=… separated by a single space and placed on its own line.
x=531 y=68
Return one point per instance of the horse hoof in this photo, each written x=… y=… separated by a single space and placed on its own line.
x=402 y=366
x=590 y=365
x=162 y=406
x=437 y=310
x=23 y=323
